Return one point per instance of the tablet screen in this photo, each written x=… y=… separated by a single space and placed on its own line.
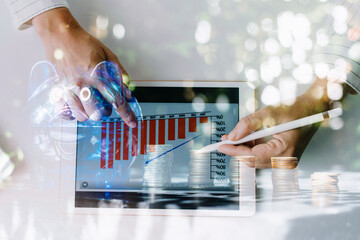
x=154 y=165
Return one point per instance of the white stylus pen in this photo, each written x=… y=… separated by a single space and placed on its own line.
x=277 y=129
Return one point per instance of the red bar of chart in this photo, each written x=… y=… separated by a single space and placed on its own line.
x=143 y=137
x=181 y=128
x=203 y=119
x=171 y=133
x=192 y=124
x=111 y=145
x=125 y=148
x=103 y=145
x=119 y=142
x=152 y=135
x=134 y=145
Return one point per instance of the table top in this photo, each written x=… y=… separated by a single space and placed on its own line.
x=29 y=207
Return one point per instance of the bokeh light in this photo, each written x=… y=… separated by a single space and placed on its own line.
x=288 y=87
x=203 y=32
x=322 y=38
x=102 y=22
x=222 y=103
x=321 y=70
x=303 y=73
x=58 y=54
x=336 y=123
x=198 y=104
x=334 y=91
x=270 y=96
x=119 y=31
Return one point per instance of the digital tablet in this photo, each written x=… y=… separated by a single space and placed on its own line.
x=152 y=169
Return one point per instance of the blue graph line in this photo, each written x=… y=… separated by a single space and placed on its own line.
x=150 y=160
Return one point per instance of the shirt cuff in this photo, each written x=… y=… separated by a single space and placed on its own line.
x=25 y=10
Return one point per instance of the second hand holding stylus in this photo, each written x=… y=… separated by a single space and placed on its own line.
x=276 y=129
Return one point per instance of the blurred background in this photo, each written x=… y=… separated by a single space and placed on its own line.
x=265 y=42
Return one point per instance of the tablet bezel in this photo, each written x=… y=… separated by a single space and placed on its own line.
x=67 y=180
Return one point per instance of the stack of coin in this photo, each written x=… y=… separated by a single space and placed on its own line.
x=242 y=172
x=284 y=175
x=285 y=180
x=157 y=168
x=200 y=171
x=325 y=190
x=284 y=162
x=324 y=182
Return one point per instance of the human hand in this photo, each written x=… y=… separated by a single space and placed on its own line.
x=75 y=53
x=286 y=144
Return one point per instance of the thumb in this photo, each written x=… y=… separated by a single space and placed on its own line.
x=245 y=126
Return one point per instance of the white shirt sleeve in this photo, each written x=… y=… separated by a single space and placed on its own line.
x=23 y=11
x=342 y=52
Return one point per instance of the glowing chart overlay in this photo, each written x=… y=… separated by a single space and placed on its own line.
x=151 y=130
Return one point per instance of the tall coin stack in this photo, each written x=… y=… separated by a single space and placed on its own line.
x=157 y=167
x=242 y=173
x=325 y=190
x=200 y=171
x=284 y=174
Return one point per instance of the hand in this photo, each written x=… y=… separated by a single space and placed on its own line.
x=287 y=144
x=75 y=53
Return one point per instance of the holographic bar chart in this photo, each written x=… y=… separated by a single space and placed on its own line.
x=119 y=142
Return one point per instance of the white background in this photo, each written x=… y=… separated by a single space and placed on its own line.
x=29 y=200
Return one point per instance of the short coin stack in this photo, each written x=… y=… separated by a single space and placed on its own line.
x=284 y=174
x=325 y=190
x=324 y=182
x=157 y=168
x=200 y=171
x=242 y=172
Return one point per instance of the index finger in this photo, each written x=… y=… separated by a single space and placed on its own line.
x=263 y=152
x=245 y=126
x=123 y=109
x=119 y=103
x=243 y=150
x=106 y=77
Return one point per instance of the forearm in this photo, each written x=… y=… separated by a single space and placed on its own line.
x=323 y=93
x=315 y=100
x=57 y=21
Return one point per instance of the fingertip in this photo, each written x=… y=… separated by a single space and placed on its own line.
x=80 y=115
x=224 y=137
x=226 y=148
x=84 y=117
x=232 y=136
x=133 y=124
x=81 y=118
x=66 y=116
